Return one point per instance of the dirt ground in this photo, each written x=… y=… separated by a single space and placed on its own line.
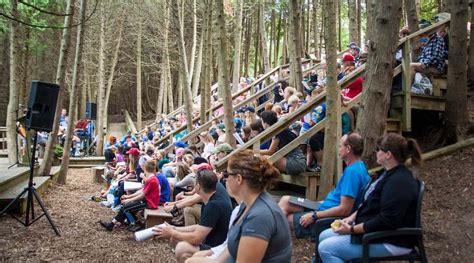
x=448 y=220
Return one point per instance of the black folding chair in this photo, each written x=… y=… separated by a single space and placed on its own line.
x=418 y=253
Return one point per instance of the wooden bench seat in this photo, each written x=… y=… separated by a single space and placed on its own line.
x=309 y=180
x=155 y=217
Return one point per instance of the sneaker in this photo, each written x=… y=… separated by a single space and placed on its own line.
x=135 y=228
x=105 y=203
x=107 y=225
x=116 y=208
x=314 y=169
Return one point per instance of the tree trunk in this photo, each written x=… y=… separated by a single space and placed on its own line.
x=339 y=25
x=237 y=44
x=206 y=73
x=101 y=110
x=296 y=75
x=412 y=21
x=248 y=40
x=333 y=100
x=73 y=95
x=163 y=93
x=139 y=76
x=456 y=98
x=372 y=117
x=45 y=167
x=471 y=46
x=277 y=40
x=315 y=29
x=113 y=66
x=197 y=73
x=182 y=54
x=263 y=38
x=12 y=108
x=256 y=46
x=223 y=79
x=352 y=13
x=272 y=37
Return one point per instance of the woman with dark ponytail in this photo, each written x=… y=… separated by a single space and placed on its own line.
x=390 y=202
x=260 y=232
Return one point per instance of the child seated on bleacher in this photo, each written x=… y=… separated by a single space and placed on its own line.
x=147 y=197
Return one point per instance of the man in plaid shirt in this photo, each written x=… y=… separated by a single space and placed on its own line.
x=432 y=58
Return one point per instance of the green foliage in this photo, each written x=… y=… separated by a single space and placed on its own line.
x=428 y=9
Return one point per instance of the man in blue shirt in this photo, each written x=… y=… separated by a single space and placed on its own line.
x=342 y=200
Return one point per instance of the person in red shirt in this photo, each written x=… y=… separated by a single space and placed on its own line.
x=147 y=197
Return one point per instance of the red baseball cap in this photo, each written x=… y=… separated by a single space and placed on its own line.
x=133 y=151
x=347 y=57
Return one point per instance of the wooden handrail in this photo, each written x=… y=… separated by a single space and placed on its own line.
x=255 y=96
x=320 y=125
x=286 y=121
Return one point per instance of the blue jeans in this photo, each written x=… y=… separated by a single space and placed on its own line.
x=335 y=248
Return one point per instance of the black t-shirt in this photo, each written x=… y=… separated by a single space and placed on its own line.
x=285 y=137
x=216 y=215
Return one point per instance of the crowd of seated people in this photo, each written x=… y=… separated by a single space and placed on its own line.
x=249 y=218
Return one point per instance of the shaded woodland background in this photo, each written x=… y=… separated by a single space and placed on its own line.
x=117 y=23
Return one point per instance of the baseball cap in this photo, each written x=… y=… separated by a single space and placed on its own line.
x=224 y=147
x=250 y=108
x=352 y=45
x=221 y=126
x=347 y=57
x=133 y=151
x=180 y=144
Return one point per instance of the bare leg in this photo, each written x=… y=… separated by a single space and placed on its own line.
x=184 y=250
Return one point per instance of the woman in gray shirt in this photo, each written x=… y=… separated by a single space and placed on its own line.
x=260 y=232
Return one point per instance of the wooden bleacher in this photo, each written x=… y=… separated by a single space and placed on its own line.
x=399 y=119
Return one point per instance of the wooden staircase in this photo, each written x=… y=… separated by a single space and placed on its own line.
x=86 y=162
x=14 y=180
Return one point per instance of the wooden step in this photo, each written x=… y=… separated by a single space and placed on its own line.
x=81 y=166
x=11 y=177
x=308 y=180
x=41 y=185
x=86 y=162
x=420 y=102
x=393 y=125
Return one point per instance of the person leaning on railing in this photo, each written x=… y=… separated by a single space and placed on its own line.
x=390 y=202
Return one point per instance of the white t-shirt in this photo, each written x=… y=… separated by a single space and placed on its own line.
x=208 y=150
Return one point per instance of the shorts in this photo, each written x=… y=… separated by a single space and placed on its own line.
x=295 y=162
x=300 y=231
x=316 y=142
x=204 y=247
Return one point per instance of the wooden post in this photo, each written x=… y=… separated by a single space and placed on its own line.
x=312 y=183
x=97 y=173
x=406 y=83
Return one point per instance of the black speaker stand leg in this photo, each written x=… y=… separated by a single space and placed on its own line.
x=31 y=191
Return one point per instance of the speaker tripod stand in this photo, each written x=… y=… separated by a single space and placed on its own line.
x=31 y=193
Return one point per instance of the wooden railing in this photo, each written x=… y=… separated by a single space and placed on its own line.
x=249 y=98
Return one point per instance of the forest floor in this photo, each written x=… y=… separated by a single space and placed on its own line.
x=448 y=221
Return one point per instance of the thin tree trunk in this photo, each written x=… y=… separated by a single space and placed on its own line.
x=193 y=49
x=12 y=108
x=73 y=95
x=45 y=167
x=352 y=14
x=339 y=25
x=197 y=73
x=256 y=46
x=187 y=88
x=263 y=38
x=277 y=39
x=412 y=20
x=206 y=86
x=223 y=78
x=272 y=37
x=372 y=116
x=237 y=44
x=248 y=40
x=471 y=46
x=139 y=76
x=456 y=98
x=113 y=66
x=101 y=110
x=296 y=75
x=284 y=55
x=315 y=28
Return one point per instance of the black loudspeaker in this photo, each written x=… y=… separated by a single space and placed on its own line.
x=91 y=111
x=42 y=106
